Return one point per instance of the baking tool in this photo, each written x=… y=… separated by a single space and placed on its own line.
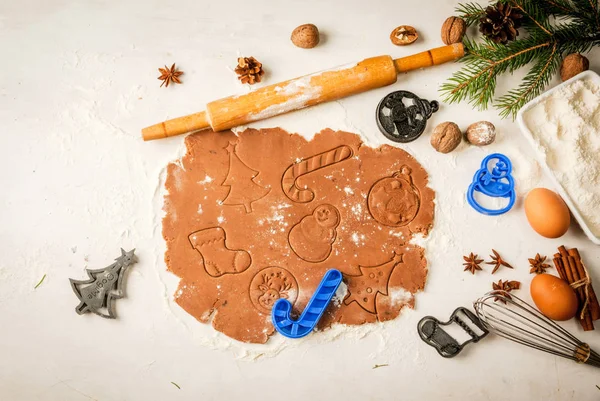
x=497 y=183
x=522 y=323
x=511 y=318
x=431 y=331
x=315 y=308
x=402 y=123
x=302 y=92
x=96 y=294
x=540 y=153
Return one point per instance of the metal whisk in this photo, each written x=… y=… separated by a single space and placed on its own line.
x=514 y=319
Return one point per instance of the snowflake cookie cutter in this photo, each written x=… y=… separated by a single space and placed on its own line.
x=496 y=183
x=432 y=332
x=402 y=116
x=280 y=314
x=103 y=286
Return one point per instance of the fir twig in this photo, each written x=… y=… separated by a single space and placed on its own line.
x=575 y=29
x=470 y=12
x=40 y=282
x=534 y=83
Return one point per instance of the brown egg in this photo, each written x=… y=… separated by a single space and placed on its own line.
x=553 y=297
x=547 y=213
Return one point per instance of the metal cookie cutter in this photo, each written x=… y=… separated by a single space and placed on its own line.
x=432 y=332
x=280 y=314
x=497 y=183
x=402 y=121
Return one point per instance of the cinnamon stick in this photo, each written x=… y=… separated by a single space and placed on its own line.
x=568 y=263
x=593 y=306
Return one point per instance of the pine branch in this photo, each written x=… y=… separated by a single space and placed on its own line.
x=575 y=29
x=534 y=83
x=470 y=12
x=484 y=62
x=557 y=7
x=534 y=14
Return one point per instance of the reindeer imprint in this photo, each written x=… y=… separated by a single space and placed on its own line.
x=308 y=165
x=394 y=201
x=243 y=191
x=373 y=280
x=269 y=285
x=217 y=258
x=312 y=238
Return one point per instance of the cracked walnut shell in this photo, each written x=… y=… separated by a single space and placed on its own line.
x=404 y=35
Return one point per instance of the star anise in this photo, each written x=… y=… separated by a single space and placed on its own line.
x=472 y=263
x=169 y=75
x=537 y=265
x=505 y=287
x=497 y=261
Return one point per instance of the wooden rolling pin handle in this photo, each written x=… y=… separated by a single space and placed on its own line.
x=302 y=92
x=176 y=126
x=439 y=55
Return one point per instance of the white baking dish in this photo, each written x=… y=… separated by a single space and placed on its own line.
x=590 y=75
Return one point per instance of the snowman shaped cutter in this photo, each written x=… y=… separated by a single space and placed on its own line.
x=496 y=183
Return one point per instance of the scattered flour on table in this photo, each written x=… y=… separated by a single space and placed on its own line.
x=566 y=128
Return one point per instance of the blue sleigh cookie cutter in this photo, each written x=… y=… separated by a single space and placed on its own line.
x=280 y=314
x=497 y=183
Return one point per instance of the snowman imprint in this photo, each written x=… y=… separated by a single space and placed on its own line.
x=312 y=238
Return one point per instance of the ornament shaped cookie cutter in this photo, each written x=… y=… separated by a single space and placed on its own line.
x=315 y=308
x=432 y=332
x=497 y=183
x=96 y=294
x=400 y=122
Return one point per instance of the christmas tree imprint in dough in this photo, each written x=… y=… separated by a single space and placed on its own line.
x=271 y=284
x=312 y=238
x=307 y=165
x=395 y=201
x=217 y=258
x=240 y=180
x=373 y=280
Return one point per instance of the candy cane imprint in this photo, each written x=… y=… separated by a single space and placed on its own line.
x=308 y=165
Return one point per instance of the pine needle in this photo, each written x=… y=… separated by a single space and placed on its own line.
x=380 y=366
x=176 y=385
x=40 y=282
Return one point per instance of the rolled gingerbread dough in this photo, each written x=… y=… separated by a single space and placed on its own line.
x=261 y=216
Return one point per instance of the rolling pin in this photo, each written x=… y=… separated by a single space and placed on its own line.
x=302 y=92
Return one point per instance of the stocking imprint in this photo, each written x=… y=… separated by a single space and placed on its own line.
x=218 y=259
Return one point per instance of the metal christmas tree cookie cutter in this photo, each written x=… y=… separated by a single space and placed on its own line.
x=96 y=294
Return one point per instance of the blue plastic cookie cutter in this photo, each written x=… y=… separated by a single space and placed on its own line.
x=497 y=183
x=280 y=314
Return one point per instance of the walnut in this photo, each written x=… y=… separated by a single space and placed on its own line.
x=481 y=133
x=306 y=36
x=446 y=137
x=404 y=35
x=453 y=30
x=572 y=65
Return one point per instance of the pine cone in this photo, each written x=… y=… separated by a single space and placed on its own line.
x=500 y=23
x=249 y=70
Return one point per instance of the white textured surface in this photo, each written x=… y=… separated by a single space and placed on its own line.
x=79 y=81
